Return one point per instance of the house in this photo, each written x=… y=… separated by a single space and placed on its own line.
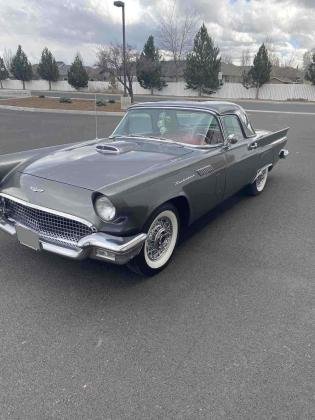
x=93 y=72
x=286 y=75
x=230 y=72
x=233 y=74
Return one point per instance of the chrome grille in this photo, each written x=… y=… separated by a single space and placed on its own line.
x=53 y=227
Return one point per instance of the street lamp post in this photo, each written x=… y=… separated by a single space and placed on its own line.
x=122 y=5
x=2 y=70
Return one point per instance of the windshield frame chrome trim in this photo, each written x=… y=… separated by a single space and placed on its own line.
x=193 y=146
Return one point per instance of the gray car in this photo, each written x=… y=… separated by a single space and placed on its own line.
x=125 y=199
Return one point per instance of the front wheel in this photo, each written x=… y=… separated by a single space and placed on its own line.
x=259 y=184
x=162 y=234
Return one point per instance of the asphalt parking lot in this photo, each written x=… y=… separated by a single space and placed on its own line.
x=225 y=332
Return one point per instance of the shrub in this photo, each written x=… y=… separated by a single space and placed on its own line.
x=64 y=100
x=111 y=101
x=41 y=96
x=101 y=102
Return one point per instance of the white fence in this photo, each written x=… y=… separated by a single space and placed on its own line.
x=228 y=90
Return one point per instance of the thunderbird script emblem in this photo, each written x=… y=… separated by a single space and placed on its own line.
x=35 y=189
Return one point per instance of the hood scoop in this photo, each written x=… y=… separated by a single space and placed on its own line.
x=116 y=148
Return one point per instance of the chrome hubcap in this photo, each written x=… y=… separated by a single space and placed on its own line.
x=261 y=179
x=159 y=238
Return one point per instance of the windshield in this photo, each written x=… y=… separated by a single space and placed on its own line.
x=184 y=126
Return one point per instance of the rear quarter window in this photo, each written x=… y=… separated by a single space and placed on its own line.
x=248 y=128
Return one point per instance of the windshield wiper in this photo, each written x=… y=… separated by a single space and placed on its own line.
x=164 y=139
x=126 y=135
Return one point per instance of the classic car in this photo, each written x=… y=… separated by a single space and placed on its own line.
x=124 y=199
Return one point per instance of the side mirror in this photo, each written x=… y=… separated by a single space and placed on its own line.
x=231 y=138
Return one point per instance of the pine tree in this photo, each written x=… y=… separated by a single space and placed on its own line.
x=149 y=72
x=261 y=70
x=47 y=68
x=77 y=74
x=310 y=73
x=21 y=68
x=203 y=64
x=4 y=74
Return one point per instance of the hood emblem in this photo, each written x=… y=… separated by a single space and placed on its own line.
x=35 y=189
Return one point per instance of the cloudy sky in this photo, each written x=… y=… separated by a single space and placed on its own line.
x=68 y=26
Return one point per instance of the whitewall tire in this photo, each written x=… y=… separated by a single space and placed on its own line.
x=260 y=182
x=162 y=233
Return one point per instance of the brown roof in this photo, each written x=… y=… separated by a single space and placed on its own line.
x=287 y=74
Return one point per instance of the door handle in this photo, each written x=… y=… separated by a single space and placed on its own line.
x=253 y=145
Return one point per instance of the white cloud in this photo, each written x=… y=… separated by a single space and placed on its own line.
x=68 y=26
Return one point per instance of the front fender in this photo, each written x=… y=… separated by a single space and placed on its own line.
x=10 y=162
x=135 y=206
x=13 y=161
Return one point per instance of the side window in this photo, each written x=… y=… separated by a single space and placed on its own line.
x=232 y=125
x=249 y=131
x=214 y=135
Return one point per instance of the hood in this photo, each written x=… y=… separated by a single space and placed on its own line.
x=101 y=163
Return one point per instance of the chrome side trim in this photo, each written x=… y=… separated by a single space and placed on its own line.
x=278 y=141
x=48 y=210
x=205 y=170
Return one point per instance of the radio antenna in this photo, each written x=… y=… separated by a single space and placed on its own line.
x=96 y=120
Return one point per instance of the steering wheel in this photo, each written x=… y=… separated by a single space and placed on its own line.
x=203 y=137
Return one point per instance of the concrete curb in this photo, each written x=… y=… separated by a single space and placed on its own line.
x=121 y=114
x=179 y=98
x=63 y=111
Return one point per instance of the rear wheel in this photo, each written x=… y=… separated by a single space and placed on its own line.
x=162 y=234
x=259 y=184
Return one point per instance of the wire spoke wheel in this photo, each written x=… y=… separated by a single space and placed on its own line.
x=261 y=180
x=161 y=239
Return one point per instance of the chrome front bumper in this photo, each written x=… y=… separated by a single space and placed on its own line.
x=101 y=246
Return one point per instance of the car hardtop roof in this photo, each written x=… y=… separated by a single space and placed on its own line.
x=219 y=107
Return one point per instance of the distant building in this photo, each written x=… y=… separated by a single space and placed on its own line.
x=233 y=74
x=93 y=72
x=169 y=70
x=286 y=75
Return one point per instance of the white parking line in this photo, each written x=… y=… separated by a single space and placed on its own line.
x=279 y=112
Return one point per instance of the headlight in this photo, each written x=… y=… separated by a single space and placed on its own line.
x=2 y=206
x=105 y=209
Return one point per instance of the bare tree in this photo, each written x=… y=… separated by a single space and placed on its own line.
x=7 y=58
x=245 y=59
x=176 y=32
x=245 y=63
x=110 y=60
x=290 y=60
x=271 y=49
x=307 y=57
x=226 y=58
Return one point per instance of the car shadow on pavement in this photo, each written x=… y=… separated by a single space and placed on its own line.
x=212 y=215
x=96 y=277
x=126 y=278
